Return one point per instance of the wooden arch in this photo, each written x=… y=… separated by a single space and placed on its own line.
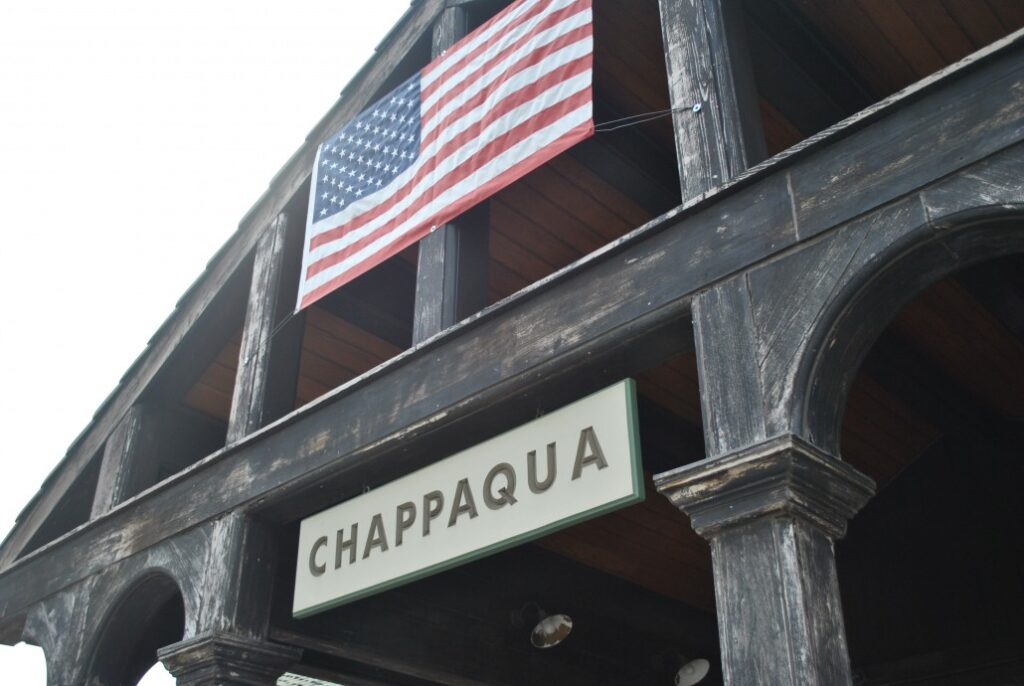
x=779 y=344
x=148 y=615
x=860 y=311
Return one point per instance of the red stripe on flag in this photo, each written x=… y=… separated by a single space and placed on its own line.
x=438 y=172
x=548 y=22
x=451 y=63
x=483 y=28
x=481 y=97
x=428 y=165
x=569 y=139
x=484 y=155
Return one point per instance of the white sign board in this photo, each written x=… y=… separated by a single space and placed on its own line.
x=572 y=464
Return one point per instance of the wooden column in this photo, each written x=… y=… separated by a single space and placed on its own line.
x=268 y=361
x=226 y=642
x=130 y=463
x=770 y=503
x=451 y=281
x=771 y=513
x=238 y=578
x=711 y=88
x=222 y=659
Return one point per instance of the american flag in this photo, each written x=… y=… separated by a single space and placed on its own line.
x=496 y=105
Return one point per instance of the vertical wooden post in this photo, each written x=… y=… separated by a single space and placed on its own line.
x=770 y=503
x=771 y=513
x=129 y=462
x=267 y=361
x=228 y=643
x=227 y=660
x=451 y=280
x=711 y=88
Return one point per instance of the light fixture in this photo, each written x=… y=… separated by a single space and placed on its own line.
x=684 y=671
x=692 y=672
x=548 y=629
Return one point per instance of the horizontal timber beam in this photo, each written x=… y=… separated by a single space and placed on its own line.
x=617 y=311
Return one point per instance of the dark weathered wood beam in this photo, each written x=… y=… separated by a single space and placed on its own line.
x=238 y=578
x=130 y=460
x=268 y=359
x=227 y=660
x=286 y=185
x=451 y=281
x=711 y=90
x=771 y=513
x=615 y=312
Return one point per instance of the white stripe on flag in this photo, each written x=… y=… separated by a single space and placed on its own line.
x=499 y=164
x=520 y=81
x=454 y=55
x=500 y=126
x=496 y=48
x=533 y=60
x=501 y=69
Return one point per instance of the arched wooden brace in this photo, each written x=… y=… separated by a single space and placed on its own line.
x=104 y=631
x=227 y=644
x=147 y=616
x=778 y=347
x=212 y=585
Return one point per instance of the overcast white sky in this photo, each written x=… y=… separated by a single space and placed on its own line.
x=134 y=134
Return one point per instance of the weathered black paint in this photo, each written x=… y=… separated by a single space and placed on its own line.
x=780 y=271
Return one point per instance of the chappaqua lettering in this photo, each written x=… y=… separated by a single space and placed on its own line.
x=498 y=489
x=570 y=464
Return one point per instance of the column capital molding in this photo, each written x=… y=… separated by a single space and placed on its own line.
x=221 y=659
x=782 y=476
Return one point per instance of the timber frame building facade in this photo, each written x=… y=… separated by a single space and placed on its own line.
x=812 y=268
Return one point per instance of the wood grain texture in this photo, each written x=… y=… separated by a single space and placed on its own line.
x=771 y=512
x=711 y=91
x=335 y=351
x=891 y=44
x=255 y=392
x=732 y=396
x=225 y=659
x=130 y=461
x=102 y=628
x=451 y=281
x=905 y=153
x=779 y=611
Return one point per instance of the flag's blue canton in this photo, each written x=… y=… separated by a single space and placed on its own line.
x=370 y=151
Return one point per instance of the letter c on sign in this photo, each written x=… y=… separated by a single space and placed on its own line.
x=314 y=568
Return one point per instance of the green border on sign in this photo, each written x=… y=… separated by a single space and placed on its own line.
x=633 y=430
